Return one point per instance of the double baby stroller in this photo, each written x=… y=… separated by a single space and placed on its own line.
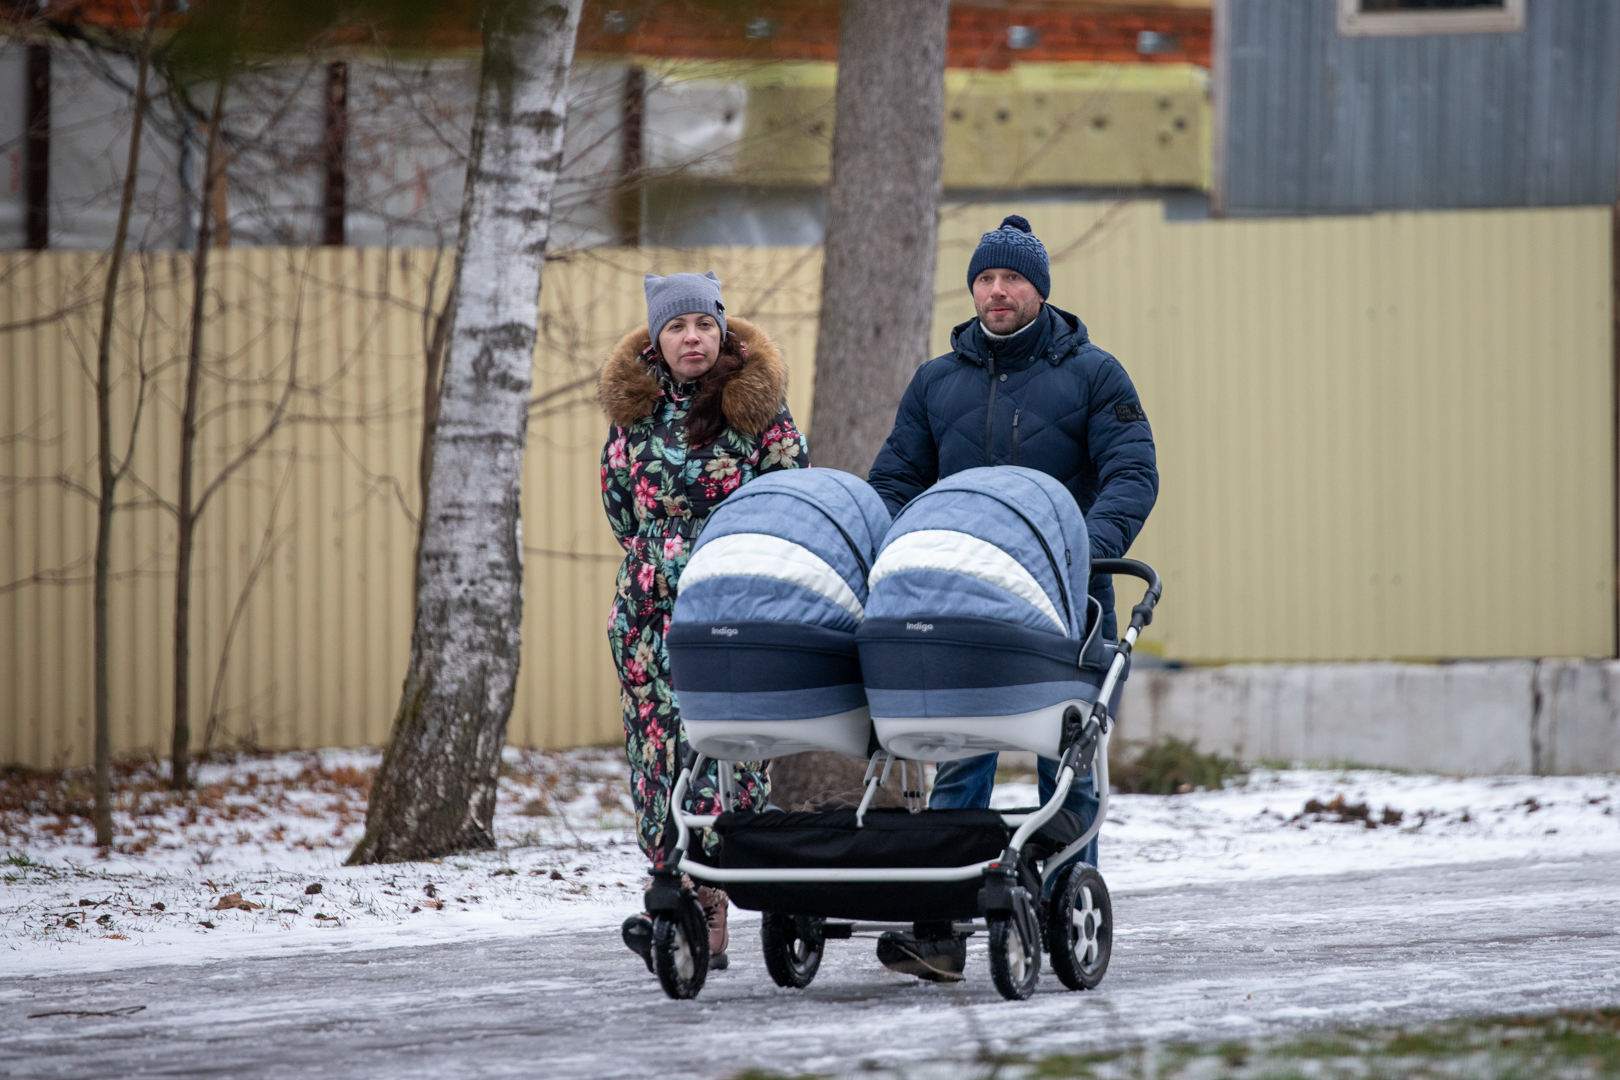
x=808 y=621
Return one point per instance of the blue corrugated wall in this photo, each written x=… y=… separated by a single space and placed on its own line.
x=1319 y=122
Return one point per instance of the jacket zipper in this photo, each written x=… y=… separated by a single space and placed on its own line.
x=1016 y=414
x=990 y=413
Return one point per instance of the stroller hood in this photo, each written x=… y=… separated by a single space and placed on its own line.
x=1003 y=543
x=762 y=644
x=794 y=547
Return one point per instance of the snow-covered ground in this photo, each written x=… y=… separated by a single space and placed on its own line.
x=1240 y=915
x=274 y=830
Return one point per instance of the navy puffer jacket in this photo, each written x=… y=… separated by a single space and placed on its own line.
x=1046 y=399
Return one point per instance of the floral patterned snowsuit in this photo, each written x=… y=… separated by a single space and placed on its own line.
x=658 y=493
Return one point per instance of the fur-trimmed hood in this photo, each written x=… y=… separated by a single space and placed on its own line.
x=629 y=389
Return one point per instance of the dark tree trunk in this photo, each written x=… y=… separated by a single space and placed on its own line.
x=108 y=473
x=631 y=140
x=435 y=791
x=186 y=508
x=877 y=283
x=38 y=143
x=334 y=149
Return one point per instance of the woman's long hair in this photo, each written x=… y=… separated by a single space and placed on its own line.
x=705 y=417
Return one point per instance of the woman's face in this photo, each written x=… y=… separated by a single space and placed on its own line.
x=690 y=344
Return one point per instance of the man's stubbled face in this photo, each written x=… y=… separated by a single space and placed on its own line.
x=1006 y=300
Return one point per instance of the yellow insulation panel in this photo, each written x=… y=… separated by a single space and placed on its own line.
x=1031 y=126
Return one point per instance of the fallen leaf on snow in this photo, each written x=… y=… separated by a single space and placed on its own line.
x=234 y=900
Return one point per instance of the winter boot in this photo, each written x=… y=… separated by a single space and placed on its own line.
x=936 y=957
x=637 y=932
x=714 y=904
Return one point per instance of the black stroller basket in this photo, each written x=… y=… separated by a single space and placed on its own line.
x=889 y=838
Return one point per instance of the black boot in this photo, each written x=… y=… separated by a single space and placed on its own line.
x=938 y=956
x=637 y=934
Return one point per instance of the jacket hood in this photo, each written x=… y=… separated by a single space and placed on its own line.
x=629 y=388
x=1068 y=335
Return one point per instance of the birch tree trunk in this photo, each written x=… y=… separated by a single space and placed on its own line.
x=877 y=280
x=434 y=344
x=435 y=791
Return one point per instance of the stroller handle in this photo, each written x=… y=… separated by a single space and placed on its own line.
x=1141 y=614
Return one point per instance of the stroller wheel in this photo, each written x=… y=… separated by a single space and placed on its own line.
x=1080 y=927
x=680 y=948
x=1015 y=965
x=793 y=945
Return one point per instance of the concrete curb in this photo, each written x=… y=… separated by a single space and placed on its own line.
x=1551 y=716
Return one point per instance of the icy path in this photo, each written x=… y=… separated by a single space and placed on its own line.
x=1208 y=961
x=1238 y=914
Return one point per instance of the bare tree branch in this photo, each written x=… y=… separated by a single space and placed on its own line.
x=59 y=576
x=48 y=319
x=567 y=388
x=59 y=480
x=573 y=556
x=140 y=393
x=54 y=576
x=269 y=543
x=268 y=431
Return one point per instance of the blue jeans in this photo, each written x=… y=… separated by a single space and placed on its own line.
x=963 y=784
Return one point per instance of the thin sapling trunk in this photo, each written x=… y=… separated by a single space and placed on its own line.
x=186 y=508
x=108 y=473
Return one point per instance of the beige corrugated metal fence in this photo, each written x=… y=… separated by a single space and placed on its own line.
x=1384 y=436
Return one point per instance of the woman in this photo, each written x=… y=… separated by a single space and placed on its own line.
x=697 y=407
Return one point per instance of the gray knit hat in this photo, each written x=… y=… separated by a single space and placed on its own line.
x=683 y=294
x=1013 y=247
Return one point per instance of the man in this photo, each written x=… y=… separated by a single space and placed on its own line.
x=1022 y=385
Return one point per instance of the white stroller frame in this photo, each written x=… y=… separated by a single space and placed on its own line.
x=1086 y=735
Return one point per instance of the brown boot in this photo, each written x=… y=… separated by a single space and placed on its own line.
x=714 y=905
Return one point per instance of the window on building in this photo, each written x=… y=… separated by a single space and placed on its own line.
x=1378 y=17
x=1430 y=5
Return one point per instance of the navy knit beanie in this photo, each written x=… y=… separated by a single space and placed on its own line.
x=1013 y=247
